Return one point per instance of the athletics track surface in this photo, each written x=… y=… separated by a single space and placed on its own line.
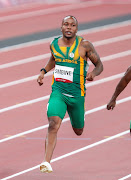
x=23 y=102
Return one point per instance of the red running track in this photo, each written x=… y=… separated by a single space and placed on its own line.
x=50 y=21
x=107 y=161
x=38 y=49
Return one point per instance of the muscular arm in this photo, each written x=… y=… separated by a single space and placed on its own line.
x=50 y=65
x=119 y=88
x=95 y=59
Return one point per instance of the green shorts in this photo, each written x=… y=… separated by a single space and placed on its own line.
x=75 y=106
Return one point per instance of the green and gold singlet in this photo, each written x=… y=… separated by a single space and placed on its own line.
x=70 y=69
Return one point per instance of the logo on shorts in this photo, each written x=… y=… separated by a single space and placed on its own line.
x=71 y=54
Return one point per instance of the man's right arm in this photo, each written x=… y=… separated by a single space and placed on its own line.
x=50 y=65
x=119 y=88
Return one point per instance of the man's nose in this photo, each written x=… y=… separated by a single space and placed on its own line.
x=69 y=26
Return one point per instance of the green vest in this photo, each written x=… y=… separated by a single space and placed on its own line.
x=70 y=69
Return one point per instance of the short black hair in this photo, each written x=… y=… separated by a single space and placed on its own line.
x=70 y=16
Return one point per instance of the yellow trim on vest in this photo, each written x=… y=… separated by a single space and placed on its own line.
x=52 y=80
x=55 y=52
x=76 y=54
x=63 y=49
x=82 y=76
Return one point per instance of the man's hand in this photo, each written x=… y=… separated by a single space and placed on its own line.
x=40 y=79
x=111 y=105
x=90 y=76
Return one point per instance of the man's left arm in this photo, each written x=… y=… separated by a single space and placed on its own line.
x=95 y=59
x=119 y=88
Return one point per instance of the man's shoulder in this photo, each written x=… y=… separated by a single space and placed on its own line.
x=55 y=40
x=86 y=43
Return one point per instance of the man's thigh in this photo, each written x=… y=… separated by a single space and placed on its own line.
x=56 y=105
x=76 y=111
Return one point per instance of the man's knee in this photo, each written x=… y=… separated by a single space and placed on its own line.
x=54 y=124
x=78 y=132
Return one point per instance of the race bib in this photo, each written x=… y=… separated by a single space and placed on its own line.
x=63 y=74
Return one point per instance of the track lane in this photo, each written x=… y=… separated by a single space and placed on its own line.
x=27 y=8
x=22 y=92
x=106 y=126
x=114 y=47
x=45 y=108
x=54 y=21
x=33 y=68
x=118 y=31
x=36 y=157
x=41 y=48
x=96 y=163
x=41 y=16
x=34 y=115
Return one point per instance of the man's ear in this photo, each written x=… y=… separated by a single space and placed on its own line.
x=61 y=28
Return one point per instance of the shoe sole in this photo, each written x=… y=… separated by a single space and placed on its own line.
x=44 y=169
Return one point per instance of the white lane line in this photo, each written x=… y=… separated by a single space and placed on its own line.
x=117 y=55
x=112 y=40
x=23 y=80
x=71 y=153
x=126 y=177
x=117 y=2
x=49 y=11
x=24 y=103
x=82 y=32
x=64 y=120
x=107 y=79
x=21 y=7
x=27 y=7
x=26 y=60
x=41 y=57
x=103 y=59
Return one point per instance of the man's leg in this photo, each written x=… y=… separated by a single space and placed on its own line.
x=78 y=131
x=51 y=138
x=55 y=112
x=50 y=143
x=76 y=111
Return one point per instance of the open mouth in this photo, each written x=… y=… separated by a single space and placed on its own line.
x=68 y=32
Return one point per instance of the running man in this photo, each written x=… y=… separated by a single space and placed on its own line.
x=69 y=54
x=119 y=88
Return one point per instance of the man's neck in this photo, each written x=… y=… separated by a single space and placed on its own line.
x=68 y=41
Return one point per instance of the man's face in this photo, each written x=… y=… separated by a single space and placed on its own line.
x=69 y=27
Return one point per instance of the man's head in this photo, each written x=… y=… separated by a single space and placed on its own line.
x=69 y=27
